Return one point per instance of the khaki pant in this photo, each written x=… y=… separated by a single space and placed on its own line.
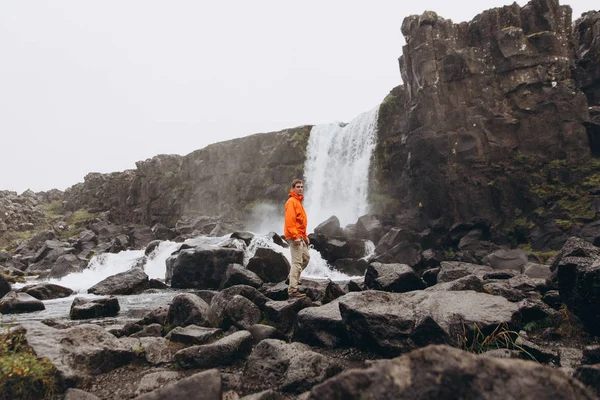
x=300 y=259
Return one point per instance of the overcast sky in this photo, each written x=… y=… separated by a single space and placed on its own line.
x=90 y=86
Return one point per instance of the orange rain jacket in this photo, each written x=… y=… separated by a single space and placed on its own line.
x=295 y=217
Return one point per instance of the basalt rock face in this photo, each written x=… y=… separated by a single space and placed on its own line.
x=486 y=103
x=227 y=178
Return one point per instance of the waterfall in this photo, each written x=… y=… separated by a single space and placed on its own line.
x=336 y=172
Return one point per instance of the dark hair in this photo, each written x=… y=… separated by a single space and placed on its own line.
x=295 y=182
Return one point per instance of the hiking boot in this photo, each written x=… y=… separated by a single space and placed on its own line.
x=296 y=294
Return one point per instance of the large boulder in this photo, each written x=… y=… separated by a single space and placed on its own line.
x=321 y=326
x=330 y=227
x=392 y=278
x=282 y=314
x=46 y=291
x=187 y=388
x=78 y=352
x=222 y=352
x=393 y=323
x=291 y=368
x=237 y=274
x=132 y=281
x=242 y=312
x=452 y=270
x=193 y=334
x=513 y=259
x=201 y=267
x=579 y=288
x=16 y=303
x=269 y=265
x=323 y=290
x=335 y=248
x=442 y=372
x=405 y=252
x=189 y=309
x=83 y=308
x=219 y=302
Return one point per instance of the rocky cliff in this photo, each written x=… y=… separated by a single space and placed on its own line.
x=226 y=179
x=497 y=118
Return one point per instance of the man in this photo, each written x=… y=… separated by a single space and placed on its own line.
x=294 y=231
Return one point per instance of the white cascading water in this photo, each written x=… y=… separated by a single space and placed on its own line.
x=337 y=169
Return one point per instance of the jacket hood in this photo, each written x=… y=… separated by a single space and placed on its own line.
x=295 y=195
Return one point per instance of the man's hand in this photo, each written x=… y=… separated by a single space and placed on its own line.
x=297 y=241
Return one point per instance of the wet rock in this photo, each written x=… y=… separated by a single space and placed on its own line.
x=398 y=278
x=370 y=227
x=201 y=267
x=16 y=303
x=46 y=291
x=291 y=368
x=277 y=291
x=222 y=352
x=405 y=253
x=78 y=352
x=282 y=314
x=129 y=282
x=392 y=238
x=4 y=286
x=392 y=323
x=187 y=388
x=245 y=236
x=443 y=372
x=83 y=308
x=351 y=266
x=153 y=245
x=193 y=334
x=141 y=236
x=330 y=227
x=269 y=265
x=261 y=332
x=321 y=326
x=237 y=274
x=189 y=309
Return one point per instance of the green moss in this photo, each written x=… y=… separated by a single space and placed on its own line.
x=544 y=256
x=22 y=374
x=564 y=224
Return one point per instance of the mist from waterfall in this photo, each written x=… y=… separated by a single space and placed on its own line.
x=336 y=171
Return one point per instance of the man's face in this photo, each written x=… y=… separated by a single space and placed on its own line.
x=299 y=188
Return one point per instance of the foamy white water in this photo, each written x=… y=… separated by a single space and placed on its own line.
x=336 y=171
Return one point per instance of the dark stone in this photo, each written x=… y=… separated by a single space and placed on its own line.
x=153 y=245
x=552 y=298
x=129 y=282
x=94 y=308
x=431 y=258
x=201 y=267
x=16 y=303
x=219 y=303
x=46 y=291
x=321 y=326
x=430 y=276
x=392 y=278
x=187 y=388
x=189 y=309
x=508 y=259
x=269 y=265
x=242 y=313
x=403 y=253
x=4 y=286
x=222 y=352
x=369 y=227
x=193 y=334
x=589 y=375
x=331 y=227
x=322 y=290
x=282 y=314
x=245 y=236
x=237 y=274
x=469 y=282
x=351 y=266
x=591 y=355
x=292 y=368
x=443 y=372
x=393 y=323
x=161 y=232
x=261 y=332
